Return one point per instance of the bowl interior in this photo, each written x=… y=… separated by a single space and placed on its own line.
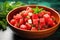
x=19 y=9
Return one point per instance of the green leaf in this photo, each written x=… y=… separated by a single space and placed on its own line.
x=4 y=9
x=37 y=10
x=3 y=25
x=41 y=9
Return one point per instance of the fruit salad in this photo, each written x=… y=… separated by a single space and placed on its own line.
x=33 y=19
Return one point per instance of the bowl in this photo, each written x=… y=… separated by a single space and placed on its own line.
x=33 y=34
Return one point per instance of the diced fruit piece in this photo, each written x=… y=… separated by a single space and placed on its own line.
x=28 y=26
x=25 y=19
x=21 y=13
x=33 y=29
x=17 y=25
x=48 y=13
x=17 y=17
x=46 y=16
x=43 y=27
x=53 y=18
x=41 y=14
x=25 y=13
x=37 y=27
x=51 y=22
x=23 y=27
x=21 y=21
x=35 y=21
x=42 y=23
x=30 y=14
x=13 y=21
x=30 y=21
x=28 y=17
x=34 y=16
x=29 y=9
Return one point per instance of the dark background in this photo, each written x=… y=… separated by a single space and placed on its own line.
x=9 y=35
x=50 y=3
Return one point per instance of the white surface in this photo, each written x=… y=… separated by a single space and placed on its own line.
x=6 y=35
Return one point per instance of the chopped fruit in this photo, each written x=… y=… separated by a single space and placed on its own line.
x=28 y=17
x=53 y=18
x=17 y=17
x=13 y=21
x=48 y=13
x=21 y=13
x=51 y=22
x=41 y=14
x=21 y=21
x=33 y=29
x=33 y=19
x=25 y=13
x=30 y=14
x=28 y=26
x=17 y=25
x=25 y=19
x=37 y=27
x=29 y=9
x=42 y=22
x=34 y=16
x=46 y=16
x=23 y=27
x=30 y=21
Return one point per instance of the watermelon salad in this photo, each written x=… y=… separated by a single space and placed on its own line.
x=33 y=19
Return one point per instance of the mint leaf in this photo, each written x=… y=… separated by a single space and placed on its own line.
x=41 y=9
x=37 y=10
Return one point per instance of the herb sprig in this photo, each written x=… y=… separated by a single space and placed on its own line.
x=37 y=10
x=4 y=9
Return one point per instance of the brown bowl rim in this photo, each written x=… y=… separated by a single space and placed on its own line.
x=30 y=30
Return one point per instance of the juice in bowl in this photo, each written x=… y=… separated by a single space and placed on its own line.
x=33 y=21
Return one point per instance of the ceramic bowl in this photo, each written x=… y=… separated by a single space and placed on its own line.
x=33 y=34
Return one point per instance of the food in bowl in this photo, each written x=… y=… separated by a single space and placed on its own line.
x=40 y=33
x=33 y=19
